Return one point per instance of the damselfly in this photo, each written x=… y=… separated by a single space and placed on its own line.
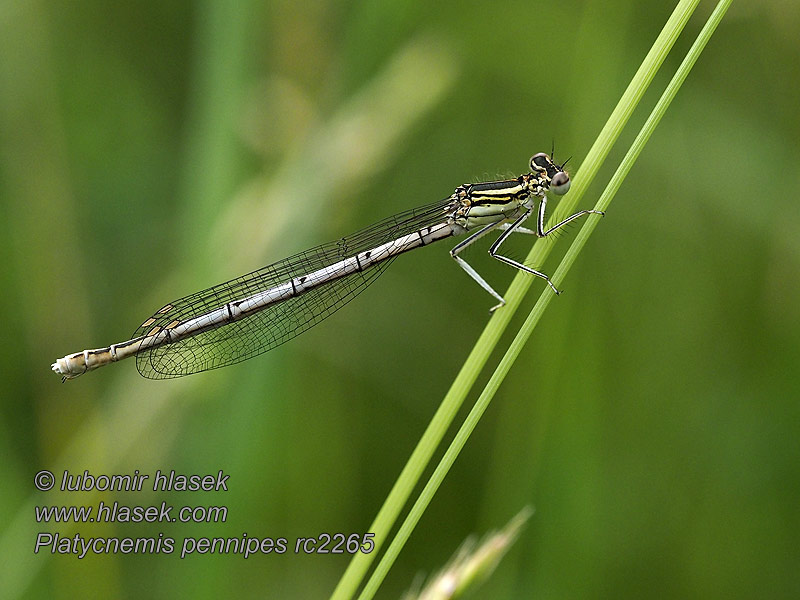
x=238 y=319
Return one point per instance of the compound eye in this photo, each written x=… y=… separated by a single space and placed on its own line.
x=540 y=162
x=560 y=183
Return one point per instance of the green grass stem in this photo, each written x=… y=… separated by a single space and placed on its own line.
x=544 y=300
x=489 y=338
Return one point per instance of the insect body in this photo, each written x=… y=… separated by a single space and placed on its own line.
x=243 y=317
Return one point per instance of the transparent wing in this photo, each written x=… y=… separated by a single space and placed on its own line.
x=278 y=323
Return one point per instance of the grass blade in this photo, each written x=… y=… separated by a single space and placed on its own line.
x=480 y=353
x=544 y=300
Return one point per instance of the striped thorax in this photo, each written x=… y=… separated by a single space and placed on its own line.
x=481 y=204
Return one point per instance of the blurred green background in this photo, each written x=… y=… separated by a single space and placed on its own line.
x=152 y=149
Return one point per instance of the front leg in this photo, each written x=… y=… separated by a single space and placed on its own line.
x=540 y=232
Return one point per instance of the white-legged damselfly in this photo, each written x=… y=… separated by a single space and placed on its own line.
x=254 y=313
